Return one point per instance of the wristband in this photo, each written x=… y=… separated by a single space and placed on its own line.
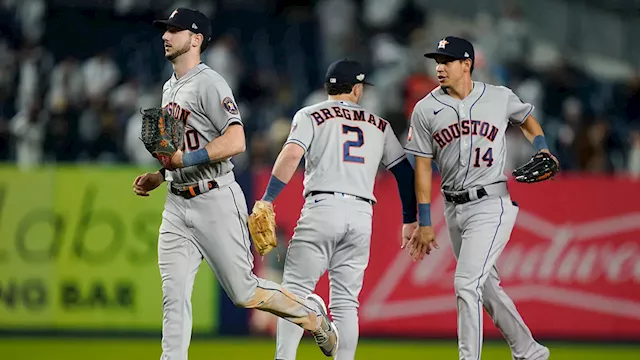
x=195 y=158
x=274 y=188
x=424 y=214
x=540 y=143
x=162 y=172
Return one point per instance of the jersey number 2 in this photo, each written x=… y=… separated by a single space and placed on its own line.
x=346 y=147
x=487 y=157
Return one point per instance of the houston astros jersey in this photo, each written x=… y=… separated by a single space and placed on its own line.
x=344 y=146
x=203 y=100
x=466 y=138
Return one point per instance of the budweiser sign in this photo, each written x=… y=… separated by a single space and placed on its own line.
x=572 y=265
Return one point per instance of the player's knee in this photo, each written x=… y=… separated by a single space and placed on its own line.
x=343 y=305
x=465 y=286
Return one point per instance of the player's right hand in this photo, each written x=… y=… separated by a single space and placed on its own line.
x=147 y=182
x=422 y=241
x=407 y=233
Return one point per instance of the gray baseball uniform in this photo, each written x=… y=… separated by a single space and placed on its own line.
x=466 y=139
x=211 y=225
x=344 y=146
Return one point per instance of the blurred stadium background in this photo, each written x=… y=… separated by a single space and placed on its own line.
x=78 y=276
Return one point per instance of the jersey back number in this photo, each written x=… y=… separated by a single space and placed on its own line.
x=349 y=145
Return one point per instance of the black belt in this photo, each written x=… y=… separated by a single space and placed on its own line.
x=463 y=197
x=314 y=193
x=192 y=191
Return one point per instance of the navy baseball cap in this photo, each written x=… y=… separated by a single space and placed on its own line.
x=347 y=72
x=453 y=47
x=187 y=19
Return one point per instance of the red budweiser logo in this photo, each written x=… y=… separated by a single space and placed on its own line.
x=555 y=263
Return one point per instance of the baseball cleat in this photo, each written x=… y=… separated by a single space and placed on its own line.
x=545 y=354
x=326 y=336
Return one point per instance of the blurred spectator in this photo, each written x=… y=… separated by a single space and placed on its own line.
x=569 y=128
x=66 y=91
x=338 y=29
x=221 y=56
x=134 y=148
x=30 y=14
x=124 y=99
x=101 y=74
x=28 y=129
x=35 y=63
x=416 y=87
x=513 y=39
x=591 y=151
x=91 y=98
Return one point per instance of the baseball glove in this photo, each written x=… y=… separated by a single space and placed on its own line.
x=540 y=167
x=162 y=135
x=262 y=226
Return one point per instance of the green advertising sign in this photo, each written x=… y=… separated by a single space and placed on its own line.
x=78 y=251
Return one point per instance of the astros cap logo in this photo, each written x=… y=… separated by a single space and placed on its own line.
x=173 y=13
x=442 y=44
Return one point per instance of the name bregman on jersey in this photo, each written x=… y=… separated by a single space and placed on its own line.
x=325 y=114
x=474 y=127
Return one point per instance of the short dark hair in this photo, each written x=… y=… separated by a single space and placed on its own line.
x=337 y=89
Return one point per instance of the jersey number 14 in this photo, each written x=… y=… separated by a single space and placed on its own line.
x=487 y=158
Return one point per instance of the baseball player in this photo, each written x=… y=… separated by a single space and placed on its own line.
x=205 y=214
x=461 y=126
x=343 y=145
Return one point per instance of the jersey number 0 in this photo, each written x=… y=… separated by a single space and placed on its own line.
x=346 y=147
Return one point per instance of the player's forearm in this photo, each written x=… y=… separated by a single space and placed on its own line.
x=283 y=170
x=286 y=165
x=423 y=189
x=231 y=143
x=405 y=178
x=533 y=132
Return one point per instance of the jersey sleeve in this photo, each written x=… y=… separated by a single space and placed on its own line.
x=393 y=152
x=220 y=106
x=301 y=130
x=419 y=139
x=517 y=110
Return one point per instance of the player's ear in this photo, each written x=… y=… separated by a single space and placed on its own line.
x=467 y=64
x=357 y=89
x=197 y=40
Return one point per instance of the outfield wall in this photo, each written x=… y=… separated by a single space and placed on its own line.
x=78 y=255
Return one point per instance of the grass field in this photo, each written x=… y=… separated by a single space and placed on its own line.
x=258 y=349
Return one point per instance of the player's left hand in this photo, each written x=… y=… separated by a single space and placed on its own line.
x=407 y=233
x=422 y=241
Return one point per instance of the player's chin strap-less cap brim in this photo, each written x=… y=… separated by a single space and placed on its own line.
x=433 y=55
x=164 y=24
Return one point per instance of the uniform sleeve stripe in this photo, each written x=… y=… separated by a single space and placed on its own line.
x=418 y=153
x=526 y=116
x=396 y=161
x=297 y=142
